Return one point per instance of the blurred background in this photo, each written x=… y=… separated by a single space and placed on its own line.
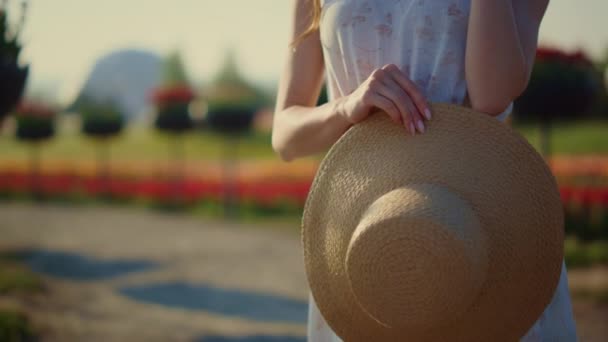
x=140 y=199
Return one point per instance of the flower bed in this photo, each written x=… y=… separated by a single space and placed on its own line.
x=156 y=190
x=269 y=185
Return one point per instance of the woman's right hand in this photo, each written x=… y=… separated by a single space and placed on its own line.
x=390 y=90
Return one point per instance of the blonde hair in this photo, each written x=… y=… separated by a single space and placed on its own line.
x=314 y=23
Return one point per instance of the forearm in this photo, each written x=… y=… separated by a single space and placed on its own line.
x=300 y=131
x=495 y=65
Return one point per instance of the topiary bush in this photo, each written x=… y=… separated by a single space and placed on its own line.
x=562 y=85
x=35 y=122
x=101 y=120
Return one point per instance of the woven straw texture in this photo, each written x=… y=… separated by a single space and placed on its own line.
x=452 y=235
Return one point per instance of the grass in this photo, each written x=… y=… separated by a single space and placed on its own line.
x=16 y=279
x=280 y=214
x=599 y=296
x=15 y=327
x=146 y=144
x=577 y=137
x=580 y=254
x=142 y=143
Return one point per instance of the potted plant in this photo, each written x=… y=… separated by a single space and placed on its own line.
x=35 y=124
x=172 y=99
x=12 y=75
x=231 y=100
x=231 y=106
x=172 y=114
x=101 y=120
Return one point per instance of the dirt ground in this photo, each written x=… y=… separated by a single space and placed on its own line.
x=186 y=251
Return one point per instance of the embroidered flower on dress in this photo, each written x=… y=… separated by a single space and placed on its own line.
x=384 y=30
x=454 y=11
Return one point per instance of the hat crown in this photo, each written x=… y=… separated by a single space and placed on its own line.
x=417 y=258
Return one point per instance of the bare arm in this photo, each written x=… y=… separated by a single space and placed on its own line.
x=300 y=128
x=501 y=45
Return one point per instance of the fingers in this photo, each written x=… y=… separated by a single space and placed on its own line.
x=410 y=88
x=389 y=82
x=377 y=100
x=410 y=114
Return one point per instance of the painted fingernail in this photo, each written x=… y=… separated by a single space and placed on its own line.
x=412 y=129
x=420 y=126
x=427 y=113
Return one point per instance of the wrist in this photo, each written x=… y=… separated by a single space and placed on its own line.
x=339 y=113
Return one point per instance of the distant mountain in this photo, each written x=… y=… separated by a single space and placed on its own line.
x=124 y=77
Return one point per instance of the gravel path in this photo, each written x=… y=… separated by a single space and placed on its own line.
x=186 y=250
x=124 y=257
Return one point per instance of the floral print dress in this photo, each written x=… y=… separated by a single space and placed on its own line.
x=426 y=39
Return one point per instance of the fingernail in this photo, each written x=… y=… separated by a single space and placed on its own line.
x=427 y=113
x=412 y=129
x=420 y=126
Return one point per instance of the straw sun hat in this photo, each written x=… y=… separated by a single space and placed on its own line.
x=452 y=235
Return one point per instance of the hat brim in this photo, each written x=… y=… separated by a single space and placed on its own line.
x=508 y=184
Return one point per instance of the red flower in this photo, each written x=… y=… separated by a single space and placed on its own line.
x=549 y=54
x=566 y=194
x=175 y=94
x=33 y=109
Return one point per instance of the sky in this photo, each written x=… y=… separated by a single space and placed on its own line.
x=63 y=38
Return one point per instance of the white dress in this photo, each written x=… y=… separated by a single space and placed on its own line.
x=426 y=39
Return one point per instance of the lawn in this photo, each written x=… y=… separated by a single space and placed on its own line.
x=16 y=279
x=141 y=143
x=579 y=137
x=146 y=144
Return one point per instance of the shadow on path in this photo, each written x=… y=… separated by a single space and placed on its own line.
x=229 y=302
x=257 y=338
x=74 y=266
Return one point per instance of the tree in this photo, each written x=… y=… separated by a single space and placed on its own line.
x=174 y=71
x=12 y=76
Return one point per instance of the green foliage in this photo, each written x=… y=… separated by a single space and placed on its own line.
x=15 y=327
x=570 y=137
x=230 y=87
x=599 y=296
x=230 y=71
x=232 y=101
x=12 y=77
x=100 y=118
x=35 y=128
x=230 y=118
x=174 y=117
x=174 y=72
x=587 y=222
x=16 y=278
x=579 y=254
x=10 y=48
x=561 y=85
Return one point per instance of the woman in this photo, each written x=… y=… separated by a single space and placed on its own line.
x=397 y=56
